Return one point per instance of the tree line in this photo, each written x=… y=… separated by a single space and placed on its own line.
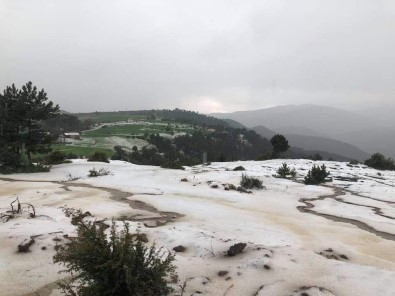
x=221 y=145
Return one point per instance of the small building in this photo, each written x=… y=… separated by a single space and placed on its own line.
x=73 y=136
x=68 y=138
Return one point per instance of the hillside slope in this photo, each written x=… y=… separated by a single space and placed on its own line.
x=314 y=143
x=379 y=139
x=313 y=119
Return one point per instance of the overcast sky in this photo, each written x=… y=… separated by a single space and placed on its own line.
x=204 y=55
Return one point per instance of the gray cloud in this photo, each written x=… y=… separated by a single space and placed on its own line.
x=203 y=55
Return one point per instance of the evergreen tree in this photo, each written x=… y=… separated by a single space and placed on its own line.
x=20 y=114
x=10 y=127
x=280 y=144
x=35 y=108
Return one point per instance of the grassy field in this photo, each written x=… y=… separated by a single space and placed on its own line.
x=118 y=133
x=132 y=129
x=81 y=151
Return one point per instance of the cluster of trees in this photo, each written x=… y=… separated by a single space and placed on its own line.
x=189 y=117
x=152 y=156
x=177 y=115
x=21 y=111
x=64 y=123
x=225 y=144
x=380 y=162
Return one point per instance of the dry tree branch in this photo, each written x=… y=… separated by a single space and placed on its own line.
x=184 y=285
x=6 y=217
x=227 y=290
x=19 y=209
x=30 y=209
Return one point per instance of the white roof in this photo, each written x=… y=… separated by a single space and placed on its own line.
x=71 y=134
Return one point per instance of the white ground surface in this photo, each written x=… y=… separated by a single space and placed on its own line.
x=278 y=235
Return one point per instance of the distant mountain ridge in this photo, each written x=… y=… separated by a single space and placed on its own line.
x=325 y=128
x=320 y=120
x=314 y=143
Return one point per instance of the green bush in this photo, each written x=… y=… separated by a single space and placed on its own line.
x=285 y=171
x=72 y=155
x=250 y=182
x=239 y=168
x=316 y=175
x=117 y=264
x=98 y=156
x=379 y=162
x=10 y=162
x=55 y=157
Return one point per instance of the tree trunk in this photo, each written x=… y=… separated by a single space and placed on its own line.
x=29 y=155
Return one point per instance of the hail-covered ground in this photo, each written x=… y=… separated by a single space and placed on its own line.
x=337 y=239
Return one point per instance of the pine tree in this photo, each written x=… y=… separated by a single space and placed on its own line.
x=10 y=126
x=20 y=114
x=35 y=108
x=280 y=145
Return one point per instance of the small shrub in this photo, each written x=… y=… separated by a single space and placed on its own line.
x=98 y=156
x=285 y=171
x=117 y=264
x=316 y=175
x=354 y=162
x=71 y=155
x=71 y=178
x=379 y=162
x=250 y=182
x=55 y=157
x=239 y=168
x=97 y=173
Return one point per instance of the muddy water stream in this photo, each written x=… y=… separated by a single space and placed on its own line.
x=308 y=207
x=160 y=218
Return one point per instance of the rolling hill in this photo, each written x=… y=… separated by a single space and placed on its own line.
x=310 y=120
x=335 y=130
x=318 y=144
